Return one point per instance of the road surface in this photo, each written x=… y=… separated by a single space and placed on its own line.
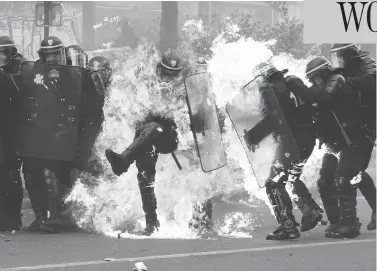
x=81 y=251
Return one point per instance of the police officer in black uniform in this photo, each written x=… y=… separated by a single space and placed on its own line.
x=274 y=87
x=339 y=126
x=360 y=70
x=11 y=191
x=102 y=66
x=154 y=135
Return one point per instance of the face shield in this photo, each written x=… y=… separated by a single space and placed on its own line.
x=55 y=57
x=77 y=58
x=336 y=59
x=8 y=55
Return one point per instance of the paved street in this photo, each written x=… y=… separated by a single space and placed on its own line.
x=80 y=251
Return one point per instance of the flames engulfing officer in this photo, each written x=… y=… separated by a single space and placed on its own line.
x=48 y=166
x=11 y=192
x=339 y=126
x=155 y=134
x=360 y=70
x=274 y=87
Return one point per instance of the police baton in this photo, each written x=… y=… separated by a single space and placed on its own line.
x=176 y=160
x=348 y=141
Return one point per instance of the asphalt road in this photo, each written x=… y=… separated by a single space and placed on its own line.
x=81 y=251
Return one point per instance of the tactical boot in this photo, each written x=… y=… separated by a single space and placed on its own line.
x=152 y=224
x=349 y=225
x=284 y=233
x=119 y=163
x=311 y=212
x=51 y=225
x=36 y=204
x=330 y=204
x=372 y=224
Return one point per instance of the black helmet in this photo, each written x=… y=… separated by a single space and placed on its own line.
x=52 y=51
x=102 y=65
x=171 y=64
x=8 y=51
x=340 y=52
x=318 y=70
x=76 y=56
x=269 y=71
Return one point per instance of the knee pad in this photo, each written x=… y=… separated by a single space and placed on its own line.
x=146 y=178
x=50 y=180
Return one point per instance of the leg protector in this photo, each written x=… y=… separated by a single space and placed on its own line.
x=52 y=223
x=349 y=226
x=37 y=196
x=327 y=191
x=143 y=141
x=283 y=209
x=146 y=165
x=368 y=189
x=311 y=212
x=12 y=192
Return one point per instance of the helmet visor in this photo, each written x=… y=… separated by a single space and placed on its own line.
x=8 y=54
x=55 y=57
x=77 y=58
x=336 y=59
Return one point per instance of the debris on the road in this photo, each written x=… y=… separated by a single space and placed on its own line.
x=13 y=232
x=109 y=259
x=3 y=236
x=140 y=266
x=143 y=249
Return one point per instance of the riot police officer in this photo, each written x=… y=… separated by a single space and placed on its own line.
x=360 y=70
x=339 y=126
x=277 y=92
x=49 y=164
x=76 y=56
x=154 y=135
x=102 y=66
x=11 y=191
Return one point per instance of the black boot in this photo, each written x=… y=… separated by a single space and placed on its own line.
x=119 y=163
x=349 y=226
x=311 y=212
x=368 y=189
x=372 y=224
x=282 y=206
x=149 y=201
x=53 y=223
x=145 y=135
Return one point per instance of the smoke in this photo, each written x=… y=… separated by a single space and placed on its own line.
x=110 y=204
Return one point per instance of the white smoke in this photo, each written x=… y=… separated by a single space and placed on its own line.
x=113 y=204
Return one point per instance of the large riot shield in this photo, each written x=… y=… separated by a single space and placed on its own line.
x=50 y=104
x=204 y=122
x=264 y=133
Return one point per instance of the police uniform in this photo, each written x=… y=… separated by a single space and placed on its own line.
x=11 y=191
x=49 y=166
x=154 y=135
x=360 y=70
x=298 y=116
x=338 y=126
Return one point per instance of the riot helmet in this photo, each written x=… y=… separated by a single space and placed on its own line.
x=318 y=70
x=340 y=53
x=101 y=65
x=76 y=56
x=8 y=51
x=170 y=66
x=52 y=51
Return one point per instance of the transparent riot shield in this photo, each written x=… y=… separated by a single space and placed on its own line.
x=50 y=104
x=204 y=122
x=262 y=130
